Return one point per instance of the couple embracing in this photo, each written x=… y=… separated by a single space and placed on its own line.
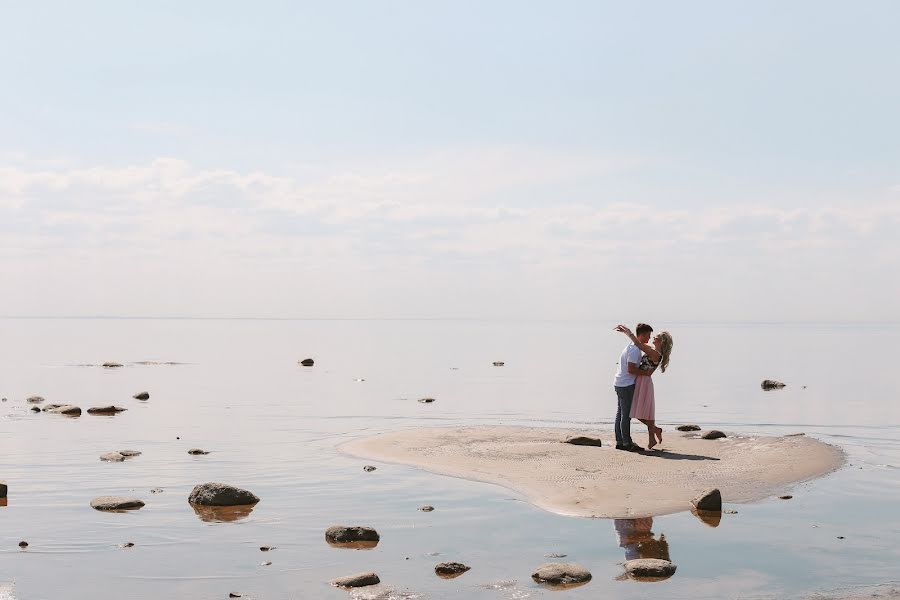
x=634 y=384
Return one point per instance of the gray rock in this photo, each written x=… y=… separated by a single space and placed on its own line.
x=111 y=365
x=340 y=534
x=358 y=580
x=4 y=489
x=368 y=468
x=307 y=362
x=266 y=548
x=23 y=544
x=583 y=440
x=426 y=508
x=771 y=384
x=709 y=500
x=34 y=399
x=561 y=574
x=112 y=457
x=197 y=451
x=221 y=494
x=650 y=568
x=127 y=545
x=130 y=453
x=688 y=428
x=116 y=503
x=713 y=435
x=449 y=570
x=142 y=396
x=499 y=363
x=105 y=410
x=63 y=409
x=426 y=400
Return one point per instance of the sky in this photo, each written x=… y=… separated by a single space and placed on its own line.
x=657 y=161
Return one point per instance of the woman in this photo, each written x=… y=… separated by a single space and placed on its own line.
x=644 y=406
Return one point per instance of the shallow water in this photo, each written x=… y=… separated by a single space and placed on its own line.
x=272 y=426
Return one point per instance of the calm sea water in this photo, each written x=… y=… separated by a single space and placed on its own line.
x=273 y=427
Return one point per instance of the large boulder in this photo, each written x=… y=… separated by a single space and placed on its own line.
x=221 y=494
x=450 y=570
x=561 y=574
x=649 y=569
x=583 y=440
x=116 y=503
x=771 y=384
x=343 y=534
x=713 y=435
x=358 y=580
x=709 y=500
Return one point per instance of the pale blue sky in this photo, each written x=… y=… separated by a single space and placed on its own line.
x=725 y=160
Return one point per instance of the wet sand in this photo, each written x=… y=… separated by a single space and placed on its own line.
x=588 y=481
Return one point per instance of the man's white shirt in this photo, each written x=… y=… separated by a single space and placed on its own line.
x=632 y=354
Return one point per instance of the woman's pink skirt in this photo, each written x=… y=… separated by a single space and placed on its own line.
x=644 y=405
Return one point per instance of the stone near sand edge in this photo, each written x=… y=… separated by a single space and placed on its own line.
x=357 y=580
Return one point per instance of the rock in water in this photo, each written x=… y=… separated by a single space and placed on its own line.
x=221 y=494
x=688 y=428
x=23 y=544
x=4 y=489
x=307 y=362
x=708 y=500
x=111 y=365
x=34 y=399
x=368 y=468
x=358 y=580
x=112 y=457
x=35 y=409
x=653 y=569
x=713 y=435
x=142 y=396
x=426 y=400
x=426 y=508
x=130 y=453
x=499 y=363
x=197 y=451
x=583 y=440
x=63 y=409
x=105 y=410
x=342 y=534
x=449 y=570
x=116 y=503
x=561 y=574
x=771 y=384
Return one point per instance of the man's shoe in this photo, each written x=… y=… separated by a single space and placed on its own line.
x=634 y=448
x=620 y=447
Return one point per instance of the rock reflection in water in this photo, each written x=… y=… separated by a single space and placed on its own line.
x=2 y=503
x=709 y=517
x=358 y=545
x=222 y=514
x=637 y=539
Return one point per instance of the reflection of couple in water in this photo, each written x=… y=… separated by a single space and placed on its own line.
x=636 y=537
x=634 y=384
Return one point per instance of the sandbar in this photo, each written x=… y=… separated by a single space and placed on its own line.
x=602 y=482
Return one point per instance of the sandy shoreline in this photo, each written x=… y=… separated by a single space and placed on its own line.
x=588 y=481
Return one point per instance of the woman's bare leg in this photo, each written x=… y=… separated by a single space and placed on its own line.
x=652 y=430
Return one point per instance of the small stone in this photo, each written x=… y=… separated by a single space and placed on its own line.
x=341 y=534
x=561 y=574
x=710 y=500
x=63 y=409
x=840 y=537
x=688 y=428
x=4 y=489
x=358 y=580
x=130 y=453
x=267 y=563
x=368 y=468
x=142 y=396
x=730 y=511
x=197 y=451
x=116 y=503
x=23 y=544
x=34 y=399
x=266 y=548
x=785 y=497
x=221 y=494
x=156 y=491
x=307 y=362
x=234 y=595
x=111 y=365
x=127 y=545
x=713 y=435
x=771 y=384
x=2 y=399
x=35 y=409
x=449 y=570
x=650 y=568
x=105 y=410
x=426 y=508
x=555 y=555
x=583 y=440
x=499 y=363
x=112 y=457
x=426 y=400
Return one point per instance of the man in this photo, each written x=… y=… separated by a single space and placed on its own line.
x=629 y=364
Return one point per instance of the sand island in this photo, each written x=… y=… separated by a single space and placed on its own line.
x=590 y=481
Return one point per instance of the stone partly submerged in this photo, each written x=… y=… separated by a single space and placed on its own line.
x=708 y=500
x=221 y=494
x=307 y=362
x=34 y=399
x=426 y=400
x=112 y=457
x=130 y=453
x=142 y=396
x=69 y=410
x=358 y=580
x=198 y=451
x=583 y=440
x=116 y=503
x=105 y=410
x=355 y=537
x=561 y=574
x=771 y=384
x=450 y=570
x=111 y=365
x=649 y=569
x=688 y=428
x=714 y=434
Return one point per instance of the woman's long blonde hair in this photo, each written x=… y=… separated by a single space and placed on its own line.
x=665 y=349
